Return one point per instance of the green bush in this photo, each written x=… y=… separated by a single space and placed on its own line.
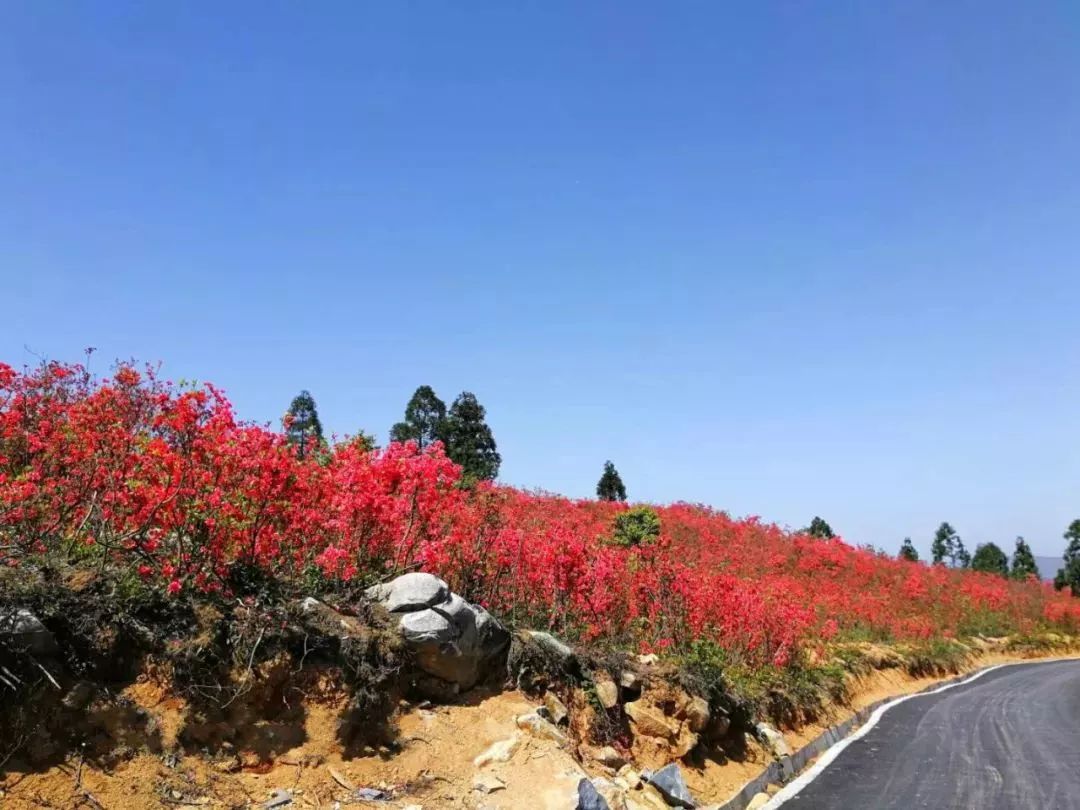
x=636 y=526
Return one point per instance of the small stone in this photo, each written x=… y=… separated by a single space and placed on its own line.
x=500 y=751
x=759 y=801
x=672 y=786
x=608 y=693
x=539 y=727
x=628 y=679
x=648 y=660
x=487 y=783
x=608 y=756
x=697 y=714
x=773 y=739
x=279 y=798
x=589 y=797
x=556 y=708
x=649 y=721
x=79 y=696
x=366 y=794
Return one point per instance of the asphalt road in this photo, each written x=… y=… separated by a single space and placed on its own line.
x=1009 y=739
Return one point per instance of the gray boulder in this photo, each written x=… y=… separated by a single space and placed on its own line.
x=672 y=786
x=451 y=639
x=589 y=798
x=23 y=630
x=410 y=592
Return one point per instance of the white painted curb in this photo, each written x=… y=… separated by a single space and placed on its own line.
x=793 y=788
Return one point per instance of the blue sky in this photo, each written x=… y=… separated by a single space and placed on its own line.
x=783 y=258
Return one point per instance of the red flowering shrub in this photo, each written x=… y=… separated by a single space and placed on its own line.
x=141 y=475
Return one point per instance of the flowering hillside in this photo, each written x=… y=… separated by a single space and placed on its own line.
x=162 y=483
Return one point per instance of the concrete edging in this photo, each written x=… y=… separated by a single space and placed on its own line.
x=784 y=769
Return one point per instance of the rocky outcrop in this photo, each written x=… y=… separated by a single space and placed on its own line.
x=666 y=723
x=453 y=640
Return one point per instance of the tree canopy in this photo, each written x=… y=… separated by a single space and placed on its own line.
x=425 y=419
x=990 y=559
x=469 y=441
x=947 y=544
x=907 y=551
x=819 y=528
x=610 y=487
x=1069 y=574
x=303 y=430
x=1023 y=561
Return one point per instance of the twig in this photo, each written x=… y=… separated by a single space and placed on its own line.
x=48 y=675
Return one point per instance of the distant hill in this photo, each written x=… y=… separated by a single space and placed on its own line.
x=1048 y=566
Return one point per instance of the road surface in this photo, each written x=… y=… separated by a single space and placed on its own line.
x=1009 y=740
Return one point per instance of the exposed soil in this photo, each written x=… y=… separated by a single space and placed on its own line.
x=431 y=764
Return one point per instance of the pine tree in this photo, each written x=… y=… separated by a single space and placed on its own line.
x=1023 y=562
x=469 y=441
x=303 y=430
x=990 y=559
x=959 y=555
x=1069 y=575
x=819 y=528
x=610 y=486
x=907 y=551
x=425 y=419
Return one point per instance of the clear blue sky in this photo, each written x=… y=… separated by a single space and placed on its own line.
x=784 y=258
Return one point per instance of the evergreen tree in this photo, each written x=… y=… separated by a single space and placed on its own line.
x=610 y=486
x=942 y=544
x=990 y=559
x=303 y=430
x=425 y=419
x=819 y=528
x=908 y=552
x=960 y=556
x=1023 y=562
x=469 y=441
x=1069 y=575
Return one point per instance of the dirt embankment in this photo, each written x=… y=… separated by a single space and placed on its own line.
x=476 y=754
x=284 y=704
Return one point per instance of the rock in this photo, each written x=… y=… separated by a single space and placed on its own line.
x=79 y=696
x=627 y=778
x=366 y=794
x=759 y=801
x=487 y=783
x=773 y=740
x=648 y=660
x=279 y=798
x=589 y=797
x=650 y=721
x=25 y=630
x=628 y=679
x=607 y=756
x=409 y=592
x=672 y=786
x=500 y=751
x=608 y=693
x=539 y=727
x=452 y=640
x=551 y=645
x=697 y=714
x=556 y=708
x=427 y=627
